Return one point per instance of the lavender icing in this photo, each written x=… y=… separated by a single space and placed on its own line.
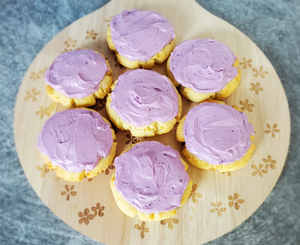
x=75 y=139
x=151 y=177
x=140 y=34
x=204 y=65
x=142 y=97
x=76 y=74
x=217 y=133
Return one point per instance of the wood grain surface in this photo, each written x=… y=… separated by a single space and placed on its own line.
x=219 y=202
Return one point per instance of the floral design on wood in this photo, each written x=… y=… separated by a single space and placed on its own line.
x=246 y=105
x=110 y=168
x=217 y=207
x=91 y=34
x=195 y=195
x=260 y=72
x=69 y=44
x=46 y=111
x=69 y=192
x=35 y=76
x=235 y=201
x=32 y=95
x=108 y=20
x=272 y=130
x=269 y=162
x=170 y=222
x=256 y=87
x=142 y=228
x=44 y=169
x=259 y=170
x=228 y=173
x=131 y=139
x=246 y=63
x=85 y=217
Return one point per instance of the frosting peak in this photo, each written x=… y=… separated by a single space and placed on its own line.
x=217 y=133
x=140 y=34
x=151 y=177
x=204 y=65
x=76 y=74
x=142 y=97
x=75 y=139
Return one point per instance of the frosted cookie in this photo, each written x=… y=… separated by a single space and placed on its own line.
x=140 y=38
x=150 y=181
x=77 y=143
x=216 y=136
x=144 y=102
x=204 y=69
x=78 y=77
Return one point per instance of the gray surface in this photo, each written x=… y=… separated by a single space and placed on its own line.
x=26 y=26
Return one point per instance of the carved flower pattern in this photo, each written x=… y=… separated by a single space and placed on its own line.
x=98 y=209
x=235 y=201
x=256 y=87
x=217 y=207
x=35 y=76
x=170 y=222
x=260 y=72
x=131 y=139
x=269 y=162
x=44 y=169
x=259 y=170
x=69 y=192
x=69 y=44
x=246 y=63
x=195 y=195
x=85 y=216
x=32 y=95
x=46 y=111
x=272 y=130
x=108 y=20
x=91 y=34
x=142 y=228
x=228 y=173
x=111 y=167
x=246 y=105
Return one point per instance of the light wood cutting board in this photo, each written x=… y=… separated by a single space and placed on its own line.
x=219 y=202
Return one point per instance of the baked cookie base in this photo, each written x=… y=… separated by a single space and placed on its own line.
x=131 y=211
x=103 y=164
x=90 y=100
x=158 y=58
x=192 y=95
x=205 y=165
x=155 y=128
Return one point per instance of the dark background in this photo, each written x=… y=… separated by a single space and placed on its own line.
x=27 y=26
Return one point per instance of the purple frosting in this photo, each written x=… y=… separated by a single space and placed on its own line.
x=140 y=34
x=142 y=97
x=203 y=65
x=77 y=74
x=75 y=139
x=217 y=133
x=151 y=177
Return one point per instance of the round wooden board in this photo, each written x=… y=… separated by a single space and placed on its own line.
x=219 y=202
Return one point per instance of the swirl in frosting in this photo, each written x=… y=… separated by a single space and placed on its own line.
x=151 y=177
x=142 y=97
x=140 y=34
x=217 y=133
x=77 y=74
x=203 y=65
x=75 y=139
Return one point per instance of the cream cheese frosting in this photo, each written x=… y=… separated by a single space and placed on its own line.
x=140 y=34
x=204 y=65
x=142 y=97
x=217 y=133
x=77 y=74
x=151 y=177
x=75 y=139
